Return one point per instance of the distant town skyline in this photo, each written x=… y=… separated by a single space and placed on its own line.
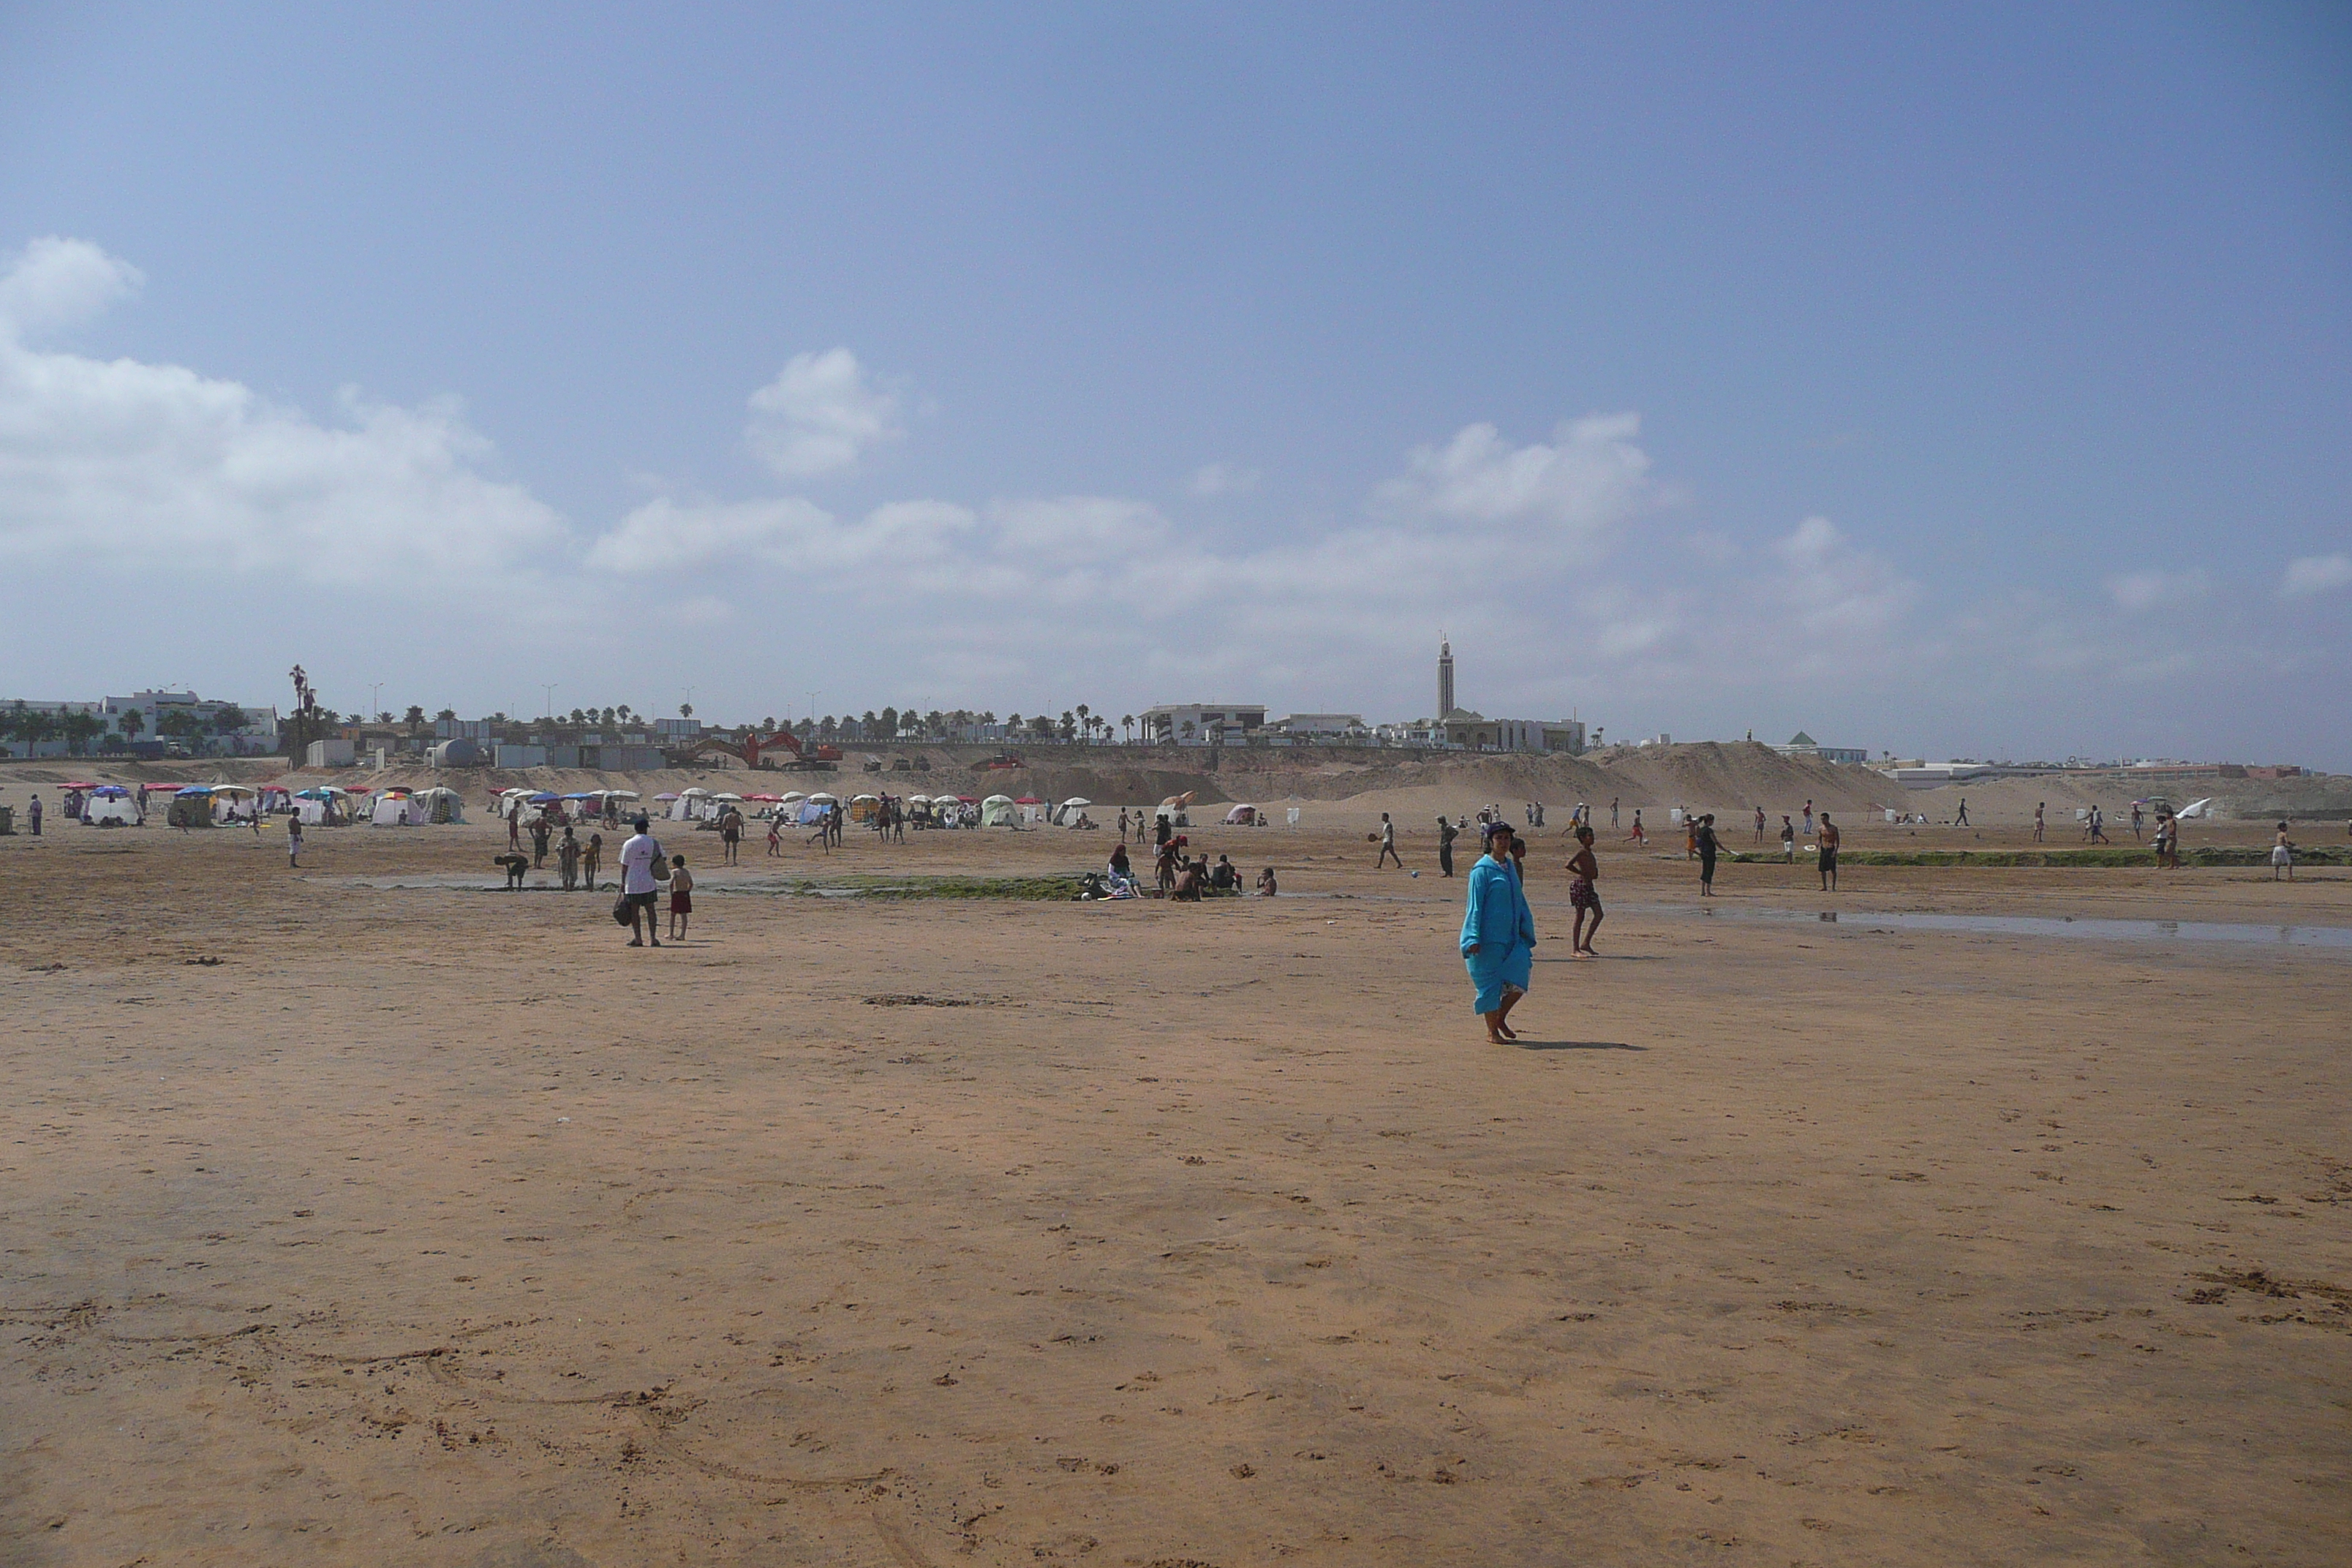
x=1955 y=384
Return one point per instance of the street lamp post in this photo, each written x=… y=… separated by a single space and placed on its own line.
x=550 y=686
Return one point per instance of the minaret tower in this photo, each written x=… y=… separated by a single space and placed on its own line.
x=1445 y=678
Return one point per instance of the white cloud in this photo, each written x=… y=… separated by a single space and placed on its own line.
x=151 y=467
x=1591 y=477
x=2140 y=591
x=57 y=282
x=2315 y=574
x=666 y=535
x=819 y=416
x=1076 y=528
x=1213 y=479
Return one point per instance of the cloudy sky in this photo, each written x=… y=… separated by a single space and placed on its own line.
x=1972 y=385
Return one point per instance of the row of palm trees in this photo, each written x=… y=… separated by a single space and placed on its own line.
x=1078 y=724
x=78 y=728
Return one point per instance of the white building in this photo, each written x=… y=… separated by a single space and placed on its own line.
x=196 y=720
x=1803 y=745
x=1476 y=732
x=1321 y=724
x=1199 y=723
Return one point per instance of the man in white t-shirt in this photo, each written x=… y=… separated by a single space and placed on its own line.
x=641 y=883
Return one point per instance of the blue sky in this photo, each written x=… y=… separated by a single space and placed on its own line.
x=1964 y=384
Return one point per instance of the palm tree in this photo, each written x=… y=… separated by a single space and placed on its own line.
x=1127 y=722
x=1188 y=729
x=131 y=723
x=624 y=712
x=1085 y=722
x=686 y=710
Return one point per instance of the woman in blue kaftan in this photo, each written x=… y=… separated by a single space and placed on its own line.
x=1498 y=935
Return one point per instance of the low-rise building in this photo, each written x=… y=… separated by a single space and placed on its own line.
x=1303 y=724
x=1200 y=723
x=1472 y=730
x=1803 y=745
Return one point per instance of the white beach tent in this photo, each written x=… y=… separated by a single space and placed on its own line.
x=109 y=806
x=442 y=805
x=998 y=811
x=396 y=808
x=688 y=804
x=1067 y=813
x=235 y=802
x=1243 y=817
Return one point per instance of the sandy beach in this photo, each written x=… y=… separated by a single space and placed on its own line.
x=365 y=1214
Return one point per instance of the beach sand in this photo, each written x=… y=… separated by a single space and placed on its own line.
x=364 y=1215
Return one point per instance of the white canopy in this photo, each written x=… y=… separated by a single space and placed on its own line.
x=821 y=798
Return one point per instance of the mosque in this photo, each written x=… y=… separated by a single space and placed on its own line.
x=1474 y=731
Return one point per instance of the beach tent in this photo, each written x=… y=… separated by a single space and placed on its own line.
x=440 y=805
x=2195 y=808
x=1067 y=815
x=396 y=808
x=1000 y=811
x=690 y=803
x=235 y=802
x=1242 y=816
x=822 y=798
x=109 y=806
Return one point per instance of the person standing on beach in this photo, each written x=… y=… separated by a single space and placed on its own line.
x=641 y=882
x=2037 y=821
x=1808 y=819
x=1703 y=836
x=294 y=840
x=1760 y=824
x=776 y=837
x=33 y=816
x=1122 y=825
x=2137 y=817
x=567 y=861
x=2283 y=856
x=1613 y=813
x=540 y=830
x=681 y=896
x=730 y=835
x=1446 y=835
x=514 y=826
x=1583 y=871
x=2165 y=832
x=1787 y=839
x=1499 y=936
x=1388 y=846
x=1829 y=854
x=590 y=858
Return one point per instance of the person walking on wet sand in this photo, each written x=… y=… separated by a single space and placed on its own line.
x=1388 y=846
x=1703 y=836
x=2283 y=856
x=514 y=825
x=1829 y=854
x=567 y=861
x=1499 y=936
x=1583 y=871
